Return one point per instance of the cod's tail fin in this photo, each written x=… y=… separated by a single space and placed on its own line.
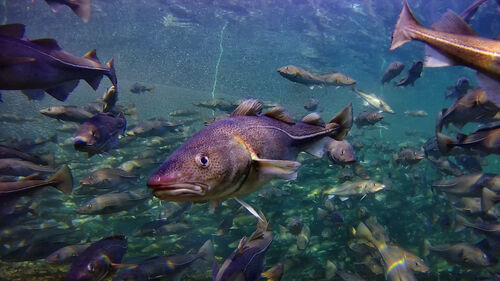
x=344 y=120
x=63 y=180
x=400 y=34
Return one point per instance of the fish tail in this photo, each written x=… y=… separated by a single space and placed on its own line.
x=343 y=121
x=82 y=9
x=439 y=120
x=111 y=73
x=63 y=180
x=488 y=199
x=445 y=143
x=206 y=251
x=400 y=34
x=460 y=223
x=365 y=233
x=426 y=248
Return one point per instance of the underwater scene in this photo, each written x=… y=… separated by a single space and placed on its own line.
x=249 y=140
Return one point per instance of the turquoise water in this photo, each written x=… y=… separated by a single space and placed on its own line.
x=192 y=51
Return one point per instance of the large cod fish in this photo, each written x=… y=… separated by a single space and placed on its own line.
x=452 y=42
x=237 y=155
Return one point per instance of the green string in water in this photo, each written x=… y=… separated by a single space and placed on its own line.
x=221 y=48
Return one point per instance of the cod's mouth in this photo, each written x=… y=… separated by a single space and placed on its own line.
x=188 y=189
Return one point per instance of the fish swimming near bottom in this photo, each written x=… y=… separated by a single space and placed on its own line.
x=96 y=262
x=362 y=187
x=463 y=254
x=237 y=155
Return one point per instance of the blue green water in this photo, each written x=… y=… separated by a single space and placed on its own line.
x=183 y=49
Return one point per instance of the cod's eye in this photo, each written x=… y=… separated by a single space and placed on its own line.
x=202 y=160
x=90 y=267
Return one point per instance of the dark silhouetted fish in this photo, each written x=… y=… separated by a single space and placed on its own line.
x=96 y=262
x=66 y=254
x=138 y=88
x=368 y=118
x=407 y=157
x=485 y=141
x=413 y=74
x=100 y=133
x=81 y=8
x=393 y=70
x=463 y=254
x=245 y=151
x=42 y=64
x=459 y=89
x=452 y=42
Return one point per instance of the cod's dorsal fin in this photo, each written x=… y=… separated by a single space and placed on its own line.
x=450 y=22
x=313 y=118
x=92 y=55
x=48 y=43
x=249 y=107
x=15 y=30
x=280 y=113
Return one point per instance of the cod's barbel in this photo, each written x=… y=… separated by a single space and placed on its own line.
x=452 y=42
x=42 y=65
x=237 y=155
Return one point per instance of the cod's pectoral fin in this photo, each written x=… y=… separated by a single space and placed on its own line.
x=249 y=107
x=281 y=114
x=280 y=168
x=212 y=204
x=450 y=22
x=62 y=91
x=34 y=94
x=318 y=148
x=15 y=30
x=434 y=58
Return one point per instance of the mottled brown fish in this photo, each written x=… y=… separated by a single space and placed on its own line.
x=368 y=118
x=244 y=152
x=407 y=157
x=41 y=64
x=302 y=76
x=413 y=74
x=452 y=42
x=356 y=188
x=416 y=113
x=463 y=254
x=393 y=70
x=69 y=113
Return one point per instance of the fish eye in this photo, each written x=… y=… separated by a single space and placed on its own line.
x=202 y=160
x=90 y=267
x=342 y=152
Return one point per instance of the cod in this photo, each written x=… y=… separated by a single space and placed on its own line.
x=239 y=154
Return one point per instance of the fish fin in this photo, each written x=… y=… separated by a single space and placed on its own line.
x=313 y=118
x=213 y=203
x=206 y=251
x=344 y=120
x=406 y=19
x=8 y=205
x=488 y=199
x=450 y=22
x=445 y=143
x=215 y=270
x=439 y=120
x=62 y=91
x=249 y=107
x=434 y=58
x=7 y=61
x=94 y=81
x=460 y=223
x=48 y=43
x=251 y=210
x=280 y=168
x=275 y=273
x=318 y=148
x=343 y=198
x=82 y=8
x=281 y=114
x=63 y=180
x=92 y=55
x=112 y=73
x=490 y=86
x=15 y=30
x=34 y=94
